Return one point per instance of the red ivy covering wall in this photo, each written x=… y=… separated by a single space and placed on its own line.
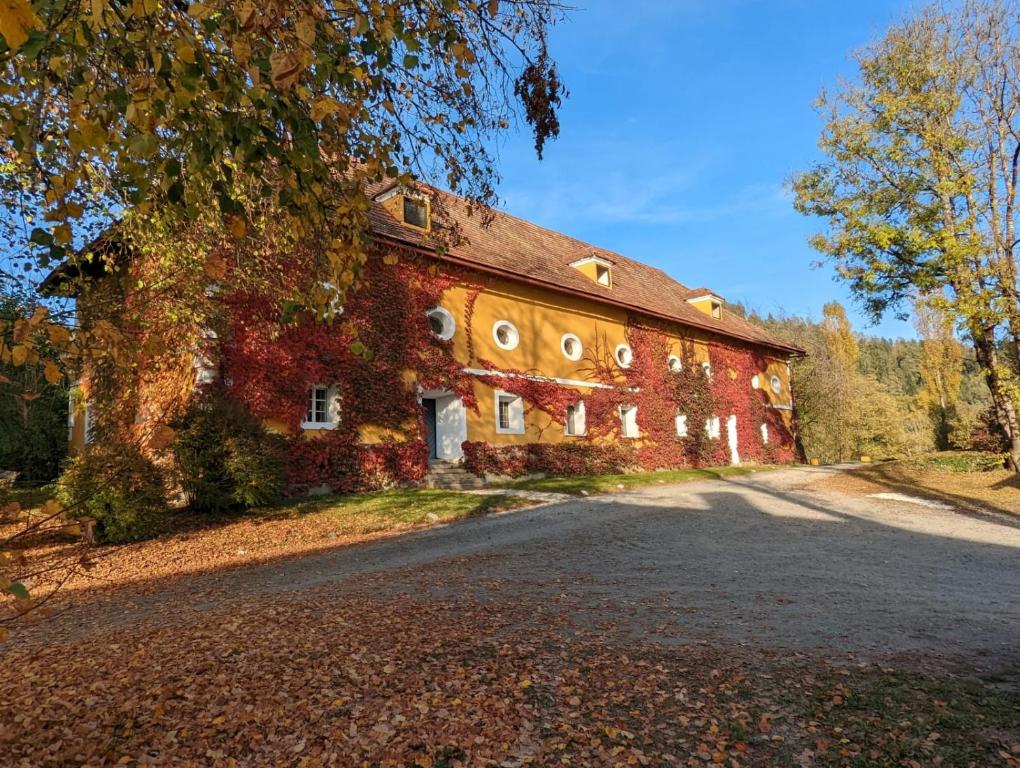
x=368 y=353
x=380 y=349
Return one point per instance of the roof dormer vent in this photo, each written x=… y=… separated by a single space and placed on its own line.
x=707 y=303
x=596 y=268
x=408 y=207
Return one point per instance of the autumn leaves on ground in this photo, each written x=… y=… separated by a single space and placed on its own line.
x=435 y=665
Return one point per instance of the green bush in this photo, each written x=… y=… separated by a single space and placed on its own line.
x=226 y=458
x=962 y=461
x=118 y=486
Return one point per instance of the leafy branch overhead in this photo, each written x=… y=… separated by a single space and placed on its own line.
x=115 y=109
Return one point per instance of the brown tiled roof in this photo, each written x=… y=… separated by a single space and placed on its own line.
x=517 y=248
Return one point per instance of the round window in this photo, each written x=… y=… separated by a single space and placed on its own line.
x=777 y=384
x=571 y=346
x=506 y=335
x=707 y=368
x=755 y=382
x=624 y=356
x=442 y=323
x=675 y=365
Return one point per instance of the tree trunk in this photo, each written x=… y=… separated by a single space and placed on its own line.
x=1005 y=409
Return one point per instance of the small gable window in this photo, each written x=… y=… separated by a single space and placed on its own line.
x=716 y=310
x=596 y=268
x=416 y=212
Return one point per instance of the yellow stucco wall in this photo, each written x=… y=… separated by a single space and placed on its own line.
x=542 y=317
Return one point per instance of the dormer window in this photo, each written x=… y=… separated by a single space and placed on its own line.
x=707 y=302
x=596 y=268
x=416 y=212
x=408 y=206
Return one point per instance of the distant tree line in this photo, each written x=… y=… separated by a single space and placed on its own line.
x=887 y=398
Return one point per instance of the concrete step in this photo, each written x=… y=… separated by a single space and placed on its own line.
x=447 y=470
x=454 y=480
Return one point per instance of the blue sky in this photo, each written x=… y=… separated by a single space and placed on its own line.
x=685 y=119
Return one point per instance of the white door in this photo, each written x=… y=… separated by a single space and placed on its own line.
x=731 y=437
x=451 y=423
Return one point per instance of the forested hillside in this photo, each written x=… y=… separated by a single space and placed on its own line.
x=858 y=394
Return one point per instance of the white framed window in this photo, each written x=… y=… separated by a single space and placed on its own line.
x=628 y=421
x=755 y=382
x=707 y=368
x=323 y=409
x=716 y=310
x=509 y=414
x=505 y=334
x=571 y=346
x=442 y=323
x=675 y=364
x=776 y=384
x=574 y=425
x=765 y=434
x=681 y=425
x=624 y=355
x=713 y=428
x=602 y=275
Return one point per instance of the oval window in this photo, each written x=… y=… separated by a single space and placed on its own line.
x=755 y=382
x=571 y=346
x=505 y=335
x=776 y=383
x=707 y=368
x=675 y=365
x=441 y=323
x=624 y=356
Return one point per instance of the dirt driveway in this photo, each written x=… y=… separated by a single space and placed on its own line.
x=764 y=559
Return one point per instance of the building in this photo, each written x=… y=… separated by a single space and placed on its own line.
x=515 y=349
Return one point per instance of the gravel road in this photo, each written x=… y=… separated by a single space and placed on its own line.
x=764 y=559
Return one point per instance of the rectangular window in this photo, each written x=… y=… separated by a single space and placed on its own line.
x=602 y=275
x=416 y=213
x=712 y=427
x=681 y=425
x=574 y=424
x=509 y=414
x=318 y=406
x=716 y=310
x=628 y=421
x=765 y=434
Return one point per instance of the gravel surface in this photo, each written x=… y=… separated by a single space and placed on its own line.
x=766 y=560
